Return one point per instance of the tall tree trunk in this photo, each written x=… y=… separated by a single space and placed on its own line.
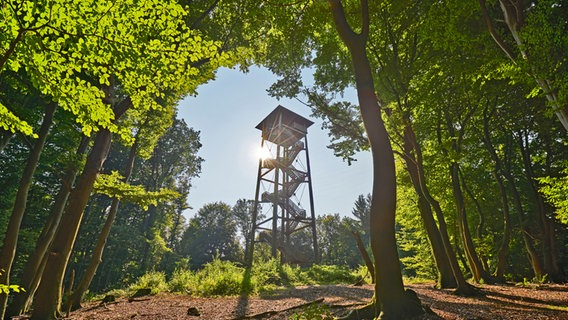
x=11 y=237
x=412 y=157
x=550 y=267
x=48 y=299
x=96 y=258
x=498 y=175
x=457 y=137
x=364 y=254
x=479 y=230
x=481 y=225
x=389 y=289
x=469 y=248
x=33 y=269
x=462 y=287
x=534 y=259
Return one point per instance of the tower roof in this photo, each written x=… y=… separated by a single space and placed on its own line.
x=283 y=126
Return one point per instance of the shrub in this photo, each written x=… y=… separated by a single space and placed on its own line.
x=183 y=281
x=329 y=274
x=219 y=278
x=269 y=274
x=156 y=281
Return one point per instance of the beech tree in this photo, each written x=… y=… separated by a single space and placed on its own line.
x=11 y=237
x=532 y=34
x=98 y=61
x=145 y=138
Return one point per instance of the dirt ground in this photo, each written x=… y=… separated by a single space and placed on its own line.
x=496 y=302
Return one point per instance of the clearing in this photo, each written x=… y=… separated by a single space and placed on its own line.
x=548 y=301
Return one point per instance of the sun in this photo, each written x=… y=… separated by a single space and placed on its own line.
x=263 y=153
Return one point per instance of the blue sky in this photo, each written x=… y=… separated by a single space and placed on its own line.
x=226 y=112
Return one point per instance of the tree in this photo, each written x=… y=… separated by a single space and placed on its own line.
x=11 y=238
x=395 y=303
x=338 y=246
x=156 y=51
x=361 y=211
x=397 y=50
x=49 y=291
x=211 y=233
x=34 y=266
x=171 y=166
x=243 y=212
x=535 y=41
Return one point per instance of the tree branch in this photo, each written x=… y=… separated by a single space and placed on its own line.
x=494 y=33
x=343 y=28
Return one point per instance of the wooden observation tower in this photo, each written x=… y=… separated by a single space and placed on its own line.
x=283 y=177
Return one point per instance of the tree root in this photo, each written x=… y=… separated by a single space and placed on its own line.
x=410 y=308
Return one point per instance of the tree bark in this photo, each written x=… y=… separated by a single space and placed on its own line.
x=498 y=175
x=462 y=287
x=551 y=266
x=48 y=301
x=34 y=266
x=478 y=229
x=534 y=259
x=389 y=289
x=364 y=254
x=11 y=237
x=474 y=262
x=469 y=248
x=412 y=155
x=96 y=258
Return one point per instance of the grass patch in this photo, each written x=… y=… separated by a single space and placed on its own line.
x=224 y=278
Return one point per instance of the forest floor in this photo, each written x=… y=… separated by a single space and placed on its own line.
x=495 y=302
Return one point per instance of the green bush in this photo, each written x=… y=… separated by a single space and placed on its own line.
x=156 y=281
x=218 y=278
x=270 y=274
x=322 y=274
x=182 y=281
